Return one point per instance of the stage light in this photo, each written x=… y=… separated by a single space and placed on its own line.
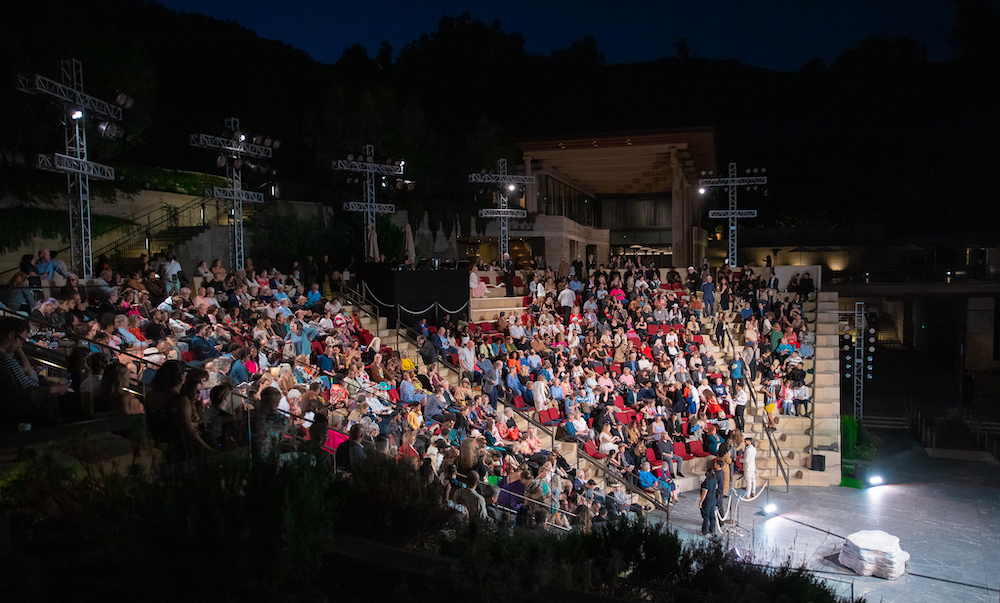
x=257 y=139
x=701 y=191
x=275 y=144
x=511 y=187
x=124 y=100
x=267 y=141
x=109 y=129
x=75 y=114
x=875 y=480
x=770 y=508
x=220 y=161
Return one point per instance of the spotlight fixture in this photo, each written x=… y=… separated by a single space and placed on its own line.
x=267 y=141
x=701 y=191
x=123 y=100
x=875 y=480
x=275 y=144
x=109 y=129
x=511 y=187
x=220 y=161
x=258 y=139
x=770 y=508
x=75 y=114
x=239 y=136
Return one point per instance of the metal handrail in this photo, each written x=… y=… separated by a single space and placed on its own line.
x=141 y=231
x=747 y=386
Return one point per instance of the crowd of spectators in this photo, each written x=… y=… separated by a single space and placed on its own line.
x=611 y=358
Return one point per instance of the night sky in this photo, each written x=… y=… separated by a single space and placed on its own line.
x=776 y=34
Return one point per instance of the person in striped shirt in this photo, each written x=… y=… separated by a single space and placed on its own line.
x=23 y=398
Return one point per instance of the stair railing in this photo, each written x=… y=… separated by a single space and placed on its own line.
x=751 y=392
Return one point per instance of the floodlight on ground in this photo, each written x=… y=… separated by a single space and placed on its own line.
x=875 y=480
x=770 y=508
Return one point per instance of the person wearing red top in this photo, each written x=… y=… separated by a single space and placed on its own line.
x=407 y=453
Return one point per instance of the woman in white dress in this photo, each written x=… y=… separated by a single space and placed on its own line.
x=477 y=286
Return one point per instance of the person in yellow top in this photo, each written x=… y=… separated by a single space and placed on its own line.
x=414 y=418
x=407 y=364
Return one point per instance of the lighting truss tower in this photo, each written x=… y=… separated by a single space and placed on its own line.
x=733 y=182
x=859 y=356
x=74 y=162
x=508 y=183
x=370 y=169
x=233 y=150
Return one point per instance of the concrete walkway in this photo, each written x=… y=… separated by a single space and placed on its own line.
x=945 y=513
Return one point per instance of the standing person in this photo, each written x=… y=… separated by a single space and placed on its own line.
x=708 y=295
x=708 y=502
x=491 y=382
x=566 y=300
x=170 y=271
x=741 y=405
x=507 y=265
x=750 y=467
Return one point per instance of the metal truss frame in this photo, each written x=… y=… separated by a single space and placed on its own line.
x=234 y=193
x=503 y=213
x=733 y=182
x=74 y=161
x=370 y=169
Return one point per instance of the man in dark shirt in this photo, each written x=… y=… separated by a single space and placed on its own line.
x=708 y=502
x=351 y=452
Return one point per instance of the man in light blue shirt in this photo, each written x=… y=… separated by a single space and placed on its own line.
x=284 y=309
x=46 y=267
x=280 y=294
x=314 y=295
x=556 y=390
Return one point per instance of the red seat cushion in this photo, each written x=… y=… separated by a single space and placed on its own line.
x=592 y=451
x=697 y=449
x=599 y=369
x=682 y=452
x=651 y=457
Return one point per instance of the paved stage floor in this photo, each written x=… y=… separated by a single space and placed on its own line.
x=945 y=513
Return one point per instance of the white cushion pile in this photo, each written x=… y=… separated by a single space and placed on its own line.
x=874 y=553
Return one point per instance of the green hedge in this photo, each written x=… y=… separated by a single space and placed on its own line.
x=21 y=225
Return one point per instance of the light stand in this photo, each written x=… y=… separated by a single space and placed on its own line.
x=234 y=149
x=507 y=183
x=367 y=165
x=74 y=162
x=733 y=213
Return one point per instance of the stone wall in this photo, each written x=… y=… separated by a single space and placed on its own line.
x=826 y=390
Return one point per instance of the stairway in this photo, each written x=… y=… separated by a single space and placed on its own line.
x=793 y=433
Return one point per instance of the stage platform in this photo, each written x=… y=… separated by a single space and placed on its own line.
x=946 y=514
